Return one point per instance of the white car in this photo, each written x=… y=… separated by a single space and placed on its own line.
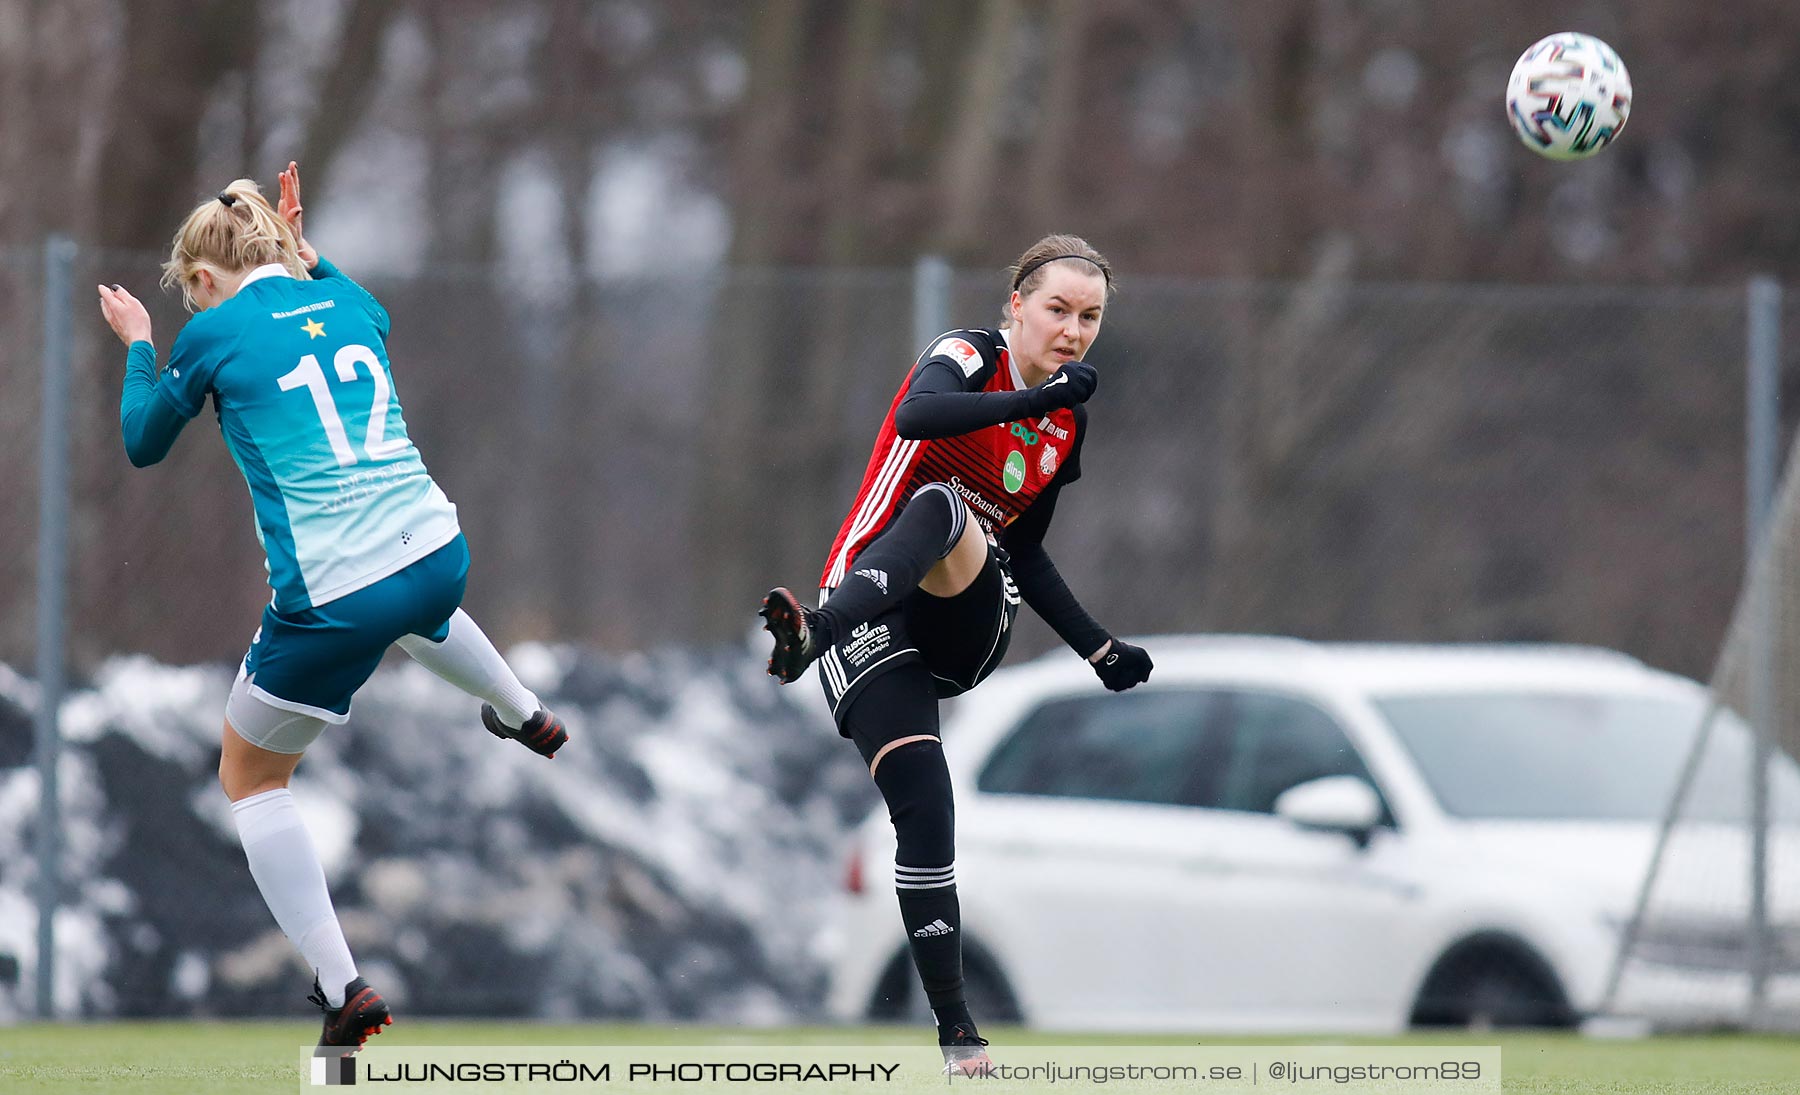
x=1278 y=835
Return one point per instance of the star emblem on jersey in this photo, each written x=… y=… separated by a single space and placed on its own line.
x=314 y=329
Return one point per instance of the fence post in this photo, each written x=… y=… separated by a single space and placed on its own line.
x=1763 y=437
x=52 y=577
x=931 y=299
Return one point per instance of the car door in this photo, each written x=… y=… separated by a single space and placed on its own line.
x=1075 y=853
x=1299 y=929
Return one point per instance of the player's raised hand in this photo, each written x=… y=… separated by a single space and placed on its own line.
x=125 y=314
x=288 y=206
x=1069 y=385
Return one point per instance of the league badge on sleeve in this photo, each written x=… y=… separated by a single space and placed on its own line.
x=966 y=356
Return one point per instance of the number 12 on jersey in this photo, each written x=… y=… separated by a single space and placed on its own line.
x=309 y=374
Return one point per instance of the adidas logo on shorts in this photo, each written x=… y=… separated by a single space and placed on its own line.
x=936 y=927
x=879 y=577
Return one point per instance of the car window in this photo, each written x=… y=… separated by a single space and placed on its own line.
x=1148 y=745
x=1279 y=742
x=1582 y=755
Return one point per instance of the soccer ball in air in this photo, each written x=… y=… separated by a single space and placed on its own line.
x=1568 y=97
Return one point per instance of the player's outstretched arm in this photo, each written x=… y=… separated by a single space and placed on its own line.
x=938 y=404
x=148 y=423
x=1118 y=664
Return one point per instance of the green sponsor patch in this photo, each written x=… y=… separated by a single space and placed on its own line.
x=1014 y=474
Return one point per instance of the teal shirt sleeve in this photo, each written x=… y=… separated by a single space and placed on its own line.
x=148 y=419
x=373 y=307
x=152 y=408
x=199 y=350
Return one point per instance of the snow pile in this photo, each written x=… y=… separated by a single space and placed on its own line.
x=677 y=860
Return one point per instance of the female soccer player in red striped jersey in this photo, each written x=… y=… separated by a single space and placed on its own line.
x=923 y=583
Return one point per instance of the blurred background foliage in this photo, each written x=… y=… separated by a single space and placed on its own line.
x=649 y=269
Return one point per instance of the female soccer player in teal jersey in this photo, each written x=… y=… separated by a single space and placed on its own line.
x=364 y=551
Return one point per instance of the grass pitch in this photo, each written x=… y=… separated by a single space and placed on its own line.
x=207 y=1058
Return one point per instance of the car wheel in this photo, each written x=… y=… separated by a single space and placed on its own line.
x=899 y=999
x=1484 y=985
x=990 y=997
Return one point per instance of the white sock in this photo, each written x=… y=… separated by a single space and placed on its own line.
x=469 y=661
x=287 y=872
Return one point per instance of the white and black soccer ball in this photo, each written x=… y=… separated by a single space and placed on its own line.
x=1569 y=96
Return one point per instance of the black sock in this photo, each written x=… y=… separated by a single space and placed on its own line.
x=916 y=785
x=933 y=921
x=895 y=563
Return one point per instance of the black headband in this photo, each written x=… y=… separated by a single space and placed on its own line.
x=227 y=198
x=1026 y=270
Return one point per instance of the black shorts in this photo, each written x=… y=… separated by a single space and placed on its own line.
x=959 y=640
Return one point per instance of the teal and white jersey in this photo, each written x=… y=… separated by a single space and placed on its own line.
x=298 y=373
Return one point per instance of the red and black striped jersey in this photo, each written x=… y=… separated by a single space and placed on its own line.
x=999 y=470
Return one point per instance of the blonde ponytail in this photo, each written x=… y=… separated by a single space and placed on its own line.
x=234 y=231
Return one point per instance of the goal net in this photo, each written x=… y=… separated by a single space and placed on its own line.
x=1713 y=939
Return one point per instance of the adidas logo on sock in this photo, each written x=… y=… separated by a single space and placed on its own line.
x=936 y=927
x=879 y=577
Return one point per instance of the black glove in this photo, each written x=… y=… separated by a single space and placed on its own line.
x=1123 y=666
x=1069 y=385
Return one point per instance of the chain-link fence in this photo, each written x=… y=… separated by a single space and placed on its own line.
x=635 y=461
x=21 y=302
